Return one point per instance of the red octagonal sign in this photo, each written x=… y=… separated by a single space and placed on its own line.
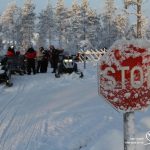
x=124 y=75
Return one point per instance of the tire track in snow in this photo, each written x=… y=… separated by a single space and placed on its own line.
x=5 y=130
x=7 y=112
x=32 y=135
x=19 y=90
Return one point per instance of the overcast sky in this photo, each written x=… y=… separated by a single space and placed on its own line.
x=96 y=4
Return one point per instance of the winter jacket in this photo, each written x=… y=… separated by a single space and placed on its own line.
x=39 y=55
x=10 y=54
x=30 y=54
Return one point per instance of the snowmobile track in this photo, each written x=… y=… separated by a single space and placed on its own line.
x=18 y=92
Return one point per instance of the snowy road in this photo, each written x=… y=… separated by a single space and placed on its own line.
x=43 y=113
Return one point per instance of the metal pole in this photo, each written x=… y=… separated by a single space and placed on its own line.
x=84 y=60
x=139 y=26
x=138 y=3
x=129 y=131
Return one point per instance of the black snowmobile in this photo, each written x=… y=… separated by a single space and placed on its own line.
x=5 y=73
x=68 y=65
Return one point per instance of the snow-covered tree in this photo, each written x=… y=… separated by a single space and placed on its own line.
x=42 y=30
x=131 y=33
x=1 y=40
x=144 y=26
x=110 y=24
x=28 y=23
x=46 y=26
x=93 y=28
x=121 y=22
x=75 y=27
x=8 y=21
x=50 y=23
x=60 y=22
x=148 y=32
x=84 y=18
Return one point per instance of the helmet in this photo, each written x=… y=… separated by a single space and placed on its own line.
x=52 y=47
x=12 y=47
x=41 y=49
x=17 y=52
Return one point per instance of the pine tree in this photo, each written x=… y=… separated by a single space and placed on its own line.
x=75 y=27
x=46 y=26
x=90 y=25
x=42 y=30
x=93 y=28
x=121 y=22
x=28 y=24
x=84 y=16
x=61 y=15
x=85 y=5
x=1 y=40
x=50 y=23
x=108 y=30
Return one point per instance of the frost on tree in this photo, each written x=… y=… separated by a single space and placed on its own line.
x=75 y=27
x=28 y=23
x=124 y=76
x=108 y=30
x=121 y=22
x=84 y=18
x=46 y=26
x=93 y=28
x=8 y=23
x=61 y=15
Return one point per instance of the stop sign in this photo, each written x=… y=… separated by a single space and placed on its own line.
x=124 y=75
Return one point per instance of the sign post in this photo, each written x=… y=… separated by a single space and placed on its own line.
x=129 y=132
x=124 y=81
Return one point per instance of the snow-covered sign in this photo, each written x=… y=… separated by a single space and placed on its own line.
x=124 y=75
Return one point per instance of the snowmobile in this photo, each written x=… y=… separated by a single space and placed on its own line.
x=68 y=65
x=5 y=73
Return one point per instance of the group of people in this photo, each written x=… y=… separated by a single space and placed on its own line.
x=34 y=61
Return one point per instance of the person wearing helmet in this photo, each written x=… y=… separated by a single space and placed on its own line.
x=10 y=52
x=55 y=57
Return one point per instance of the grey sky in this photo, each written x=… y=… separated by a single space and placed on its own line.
x=40 y=4
x=96 y=4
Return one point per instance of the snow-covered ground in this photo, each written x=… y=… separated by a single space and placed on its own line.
x=41 y=112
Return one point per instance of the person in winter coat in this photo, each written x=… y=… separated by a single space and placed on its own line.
x=55 y=57
x=10 y=57
x=30 y=56
x=20 y=63
x=10 y=52
x=50 y=56
x=44 y=63
x=39 y=59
